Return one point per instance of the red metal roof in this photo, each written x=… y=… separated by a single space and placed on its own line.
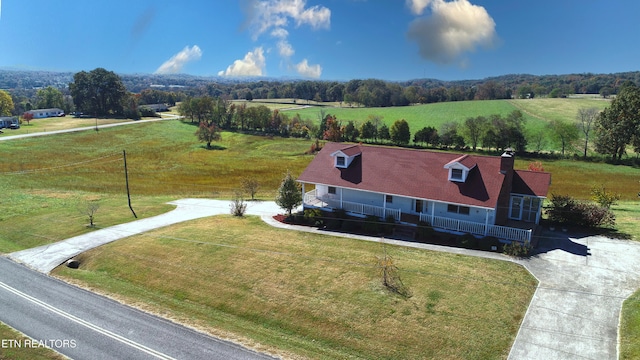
x=418 y=174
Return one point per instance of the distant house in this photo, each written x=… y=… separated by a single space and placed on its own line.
x=481 y=195
x=156 y=107
x=46 y=113
x=7 y=121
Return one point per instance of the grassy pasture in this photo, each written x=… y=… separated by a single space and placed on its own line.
x=549 y=109
x=48 y=180
x=418 y=116
x=312 y=295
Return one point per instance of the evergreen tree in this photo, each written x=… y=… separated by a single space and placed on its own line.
x=289 y=194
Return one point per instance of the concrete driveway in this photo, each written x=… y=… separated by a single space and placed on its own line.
x=47 y=257
x=575 y=311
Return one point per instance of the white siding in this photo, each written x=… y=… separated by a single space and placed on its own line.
x=475 y=214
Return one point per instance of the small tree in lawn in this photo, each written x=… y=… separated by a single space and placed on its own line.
x=90 y=209
x=27 y=117
x=251 y=186
x=289 y=194
x=207 y=133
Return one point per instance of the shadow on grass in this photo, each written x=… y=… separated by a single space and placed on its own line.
x=213 y=147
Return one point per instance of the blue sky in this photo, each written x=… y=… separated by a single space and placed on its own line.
x=327 y=39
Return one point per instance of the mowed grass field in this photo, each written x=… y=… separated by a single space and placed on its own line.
x=537 y=113
x=305 y=295
x=58 y=123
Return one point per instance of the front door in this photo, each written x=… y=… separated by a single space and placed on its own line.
x=419 y=206
x=516 y=207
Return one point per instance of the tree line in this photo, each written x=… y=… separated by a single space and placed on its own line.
x=151 y=89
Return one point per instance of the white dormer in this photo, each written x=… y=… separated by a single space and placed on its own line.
x=344 y=157
x=459 y=168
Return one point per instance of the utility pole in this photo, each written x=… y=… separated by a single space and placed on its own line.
x=126 y=176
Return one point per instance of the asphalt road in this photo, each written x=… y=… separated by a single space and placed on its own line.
x=82 y=325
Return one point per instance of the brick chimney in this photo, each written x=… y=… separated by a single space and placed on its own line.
x=507 y=160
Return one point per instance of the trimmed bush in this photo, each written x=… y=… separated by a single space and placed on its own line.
x=487 y=242
x=389 y=224
x=424 y=231
x=566 y=210
x=313 y=217
x=517 y=249
x=467 y=241
x=372 y=225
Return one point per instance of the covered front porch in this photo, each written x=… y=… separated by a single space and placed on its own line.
x=313 y=199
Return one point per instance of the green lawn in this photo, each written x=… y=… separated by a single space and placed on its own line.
x=630 y=328
x=312 y=295
x=58 y=123
x=418 y=116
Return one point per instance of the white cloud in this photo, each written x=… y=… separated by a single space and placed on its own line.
x=179 y=60
x=285 y=49
x=267 y=14
x=452 y=29
x=306 y=70
x=252 y=64
x=418 y=6
x=280 y=33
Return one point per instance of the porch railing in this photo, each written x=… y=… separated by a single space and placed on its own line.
x=311 y=198
x=500 y=232
x=444 y=223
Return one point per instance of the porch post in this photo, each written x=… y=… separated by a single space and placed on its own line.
x=486 y=222
x=304 y=195
x=384 y=206
x=341 y=191
x=433 y=212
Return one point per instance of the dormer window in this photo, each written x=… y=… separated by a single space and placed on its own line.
x=344 y=157
x=459 y=168
x=456 y=174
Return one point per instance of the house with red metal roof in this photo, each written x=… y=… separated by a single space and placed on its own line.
x=481 y=195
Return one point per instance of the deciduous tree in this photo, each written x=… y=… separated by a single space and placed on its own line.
x=586 y=118
x=617 y=124
x=564 y=133
x=400 y=132
x=49 y=97
x=98 y=92
x=6 y=103
x=208 y=132
x=474 y=129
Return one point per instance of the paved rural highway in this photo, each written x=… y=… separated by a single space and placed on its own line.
x=83 y=325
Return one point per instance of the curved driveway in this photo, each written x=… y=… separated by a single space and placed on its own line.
x=47 y=257
x=574 y=313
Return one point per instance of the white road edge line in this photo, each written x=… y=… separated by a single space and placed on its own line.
x=98 y=329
